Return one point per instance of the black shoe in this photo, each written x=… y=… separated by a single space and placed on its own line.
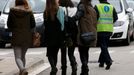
x=74 y=68
x=108 y=66
x=84 y=70
x=86 y=73
x=101 y=65
x=74 y=73
x=53 y=71
x=64 y=71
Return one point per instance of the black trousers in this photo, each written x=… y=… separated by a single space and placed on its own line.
x=63 y=58
x=103 y=41
x=52 y=53
x=70 y=55
x=84 y=56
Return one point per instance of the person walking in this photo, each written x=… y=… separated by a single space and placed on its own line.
x=68 y=7
x=54 y=32
x=21 y=22
x=106 y=15
x=87 y=21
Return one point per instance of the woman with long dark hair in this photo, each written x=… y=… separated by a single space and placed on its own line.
x=54 y=32
x=87 y=21
x=20 y=23
x=71 y=31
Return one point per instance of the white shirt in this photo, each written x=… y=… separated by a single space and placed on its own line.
x=71 y=11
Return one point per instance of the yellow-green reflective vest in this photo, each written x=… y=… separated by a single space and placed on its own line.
x=105 y=21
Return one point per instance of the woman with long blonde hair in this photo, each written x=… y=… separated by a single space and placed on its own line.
x=20 y=23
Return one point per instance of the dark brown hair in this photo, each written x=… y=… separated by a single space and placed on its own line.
x=51 y=9
x=66 y=3
x=86 y=3
x=22 y=2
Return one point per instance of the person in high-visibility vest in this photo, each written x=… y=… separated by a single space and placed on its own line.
x=106 y=16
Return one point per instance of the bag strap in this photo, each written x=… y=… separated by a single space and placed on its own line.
x=66 y=14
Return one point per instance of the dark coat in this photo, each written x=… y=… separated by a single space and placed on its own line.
x=87 y=22
x=20 y=23
x=54 y=36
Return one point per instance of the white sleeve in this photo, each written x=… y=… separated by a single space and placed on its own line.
x=72 y=11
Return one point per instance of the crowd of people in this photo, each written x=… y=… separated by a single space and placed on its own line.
x=95 y=25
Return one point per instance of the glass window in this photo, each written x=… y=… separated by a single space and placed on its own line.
x=8 y=6
x=130 y=3
x=125 y=4
x=37 y=6
x=2 y=4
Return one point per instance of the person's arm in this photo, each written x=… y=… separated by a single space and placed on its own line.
x=32 y=21
x=45 y=18
x=9 y=21
x=97 y=12
x=115 y=16
x=80 y=12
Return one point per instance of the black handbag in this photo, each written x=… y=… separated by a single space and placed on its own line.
x=71 y=30
x=87 y=37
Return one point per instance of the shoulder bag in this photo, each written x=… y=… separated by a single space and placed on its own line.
x=87 y=37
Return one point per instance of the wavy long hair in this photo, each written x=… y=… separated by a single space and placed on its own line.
x=51 y=9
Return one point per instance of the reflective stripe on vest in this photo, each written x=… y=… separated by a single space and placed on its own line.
x=105 y=21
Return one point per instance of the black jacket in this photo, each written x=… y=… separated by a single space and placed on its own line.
x=54 y=36
x=115 y=17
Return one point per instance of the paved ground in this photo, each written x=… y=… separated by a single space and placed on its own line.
x=35 y=59
x=123 y=62
x=37 y=63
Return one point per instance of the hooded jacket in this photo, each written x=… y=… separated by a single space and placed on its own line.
x=20 y=23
